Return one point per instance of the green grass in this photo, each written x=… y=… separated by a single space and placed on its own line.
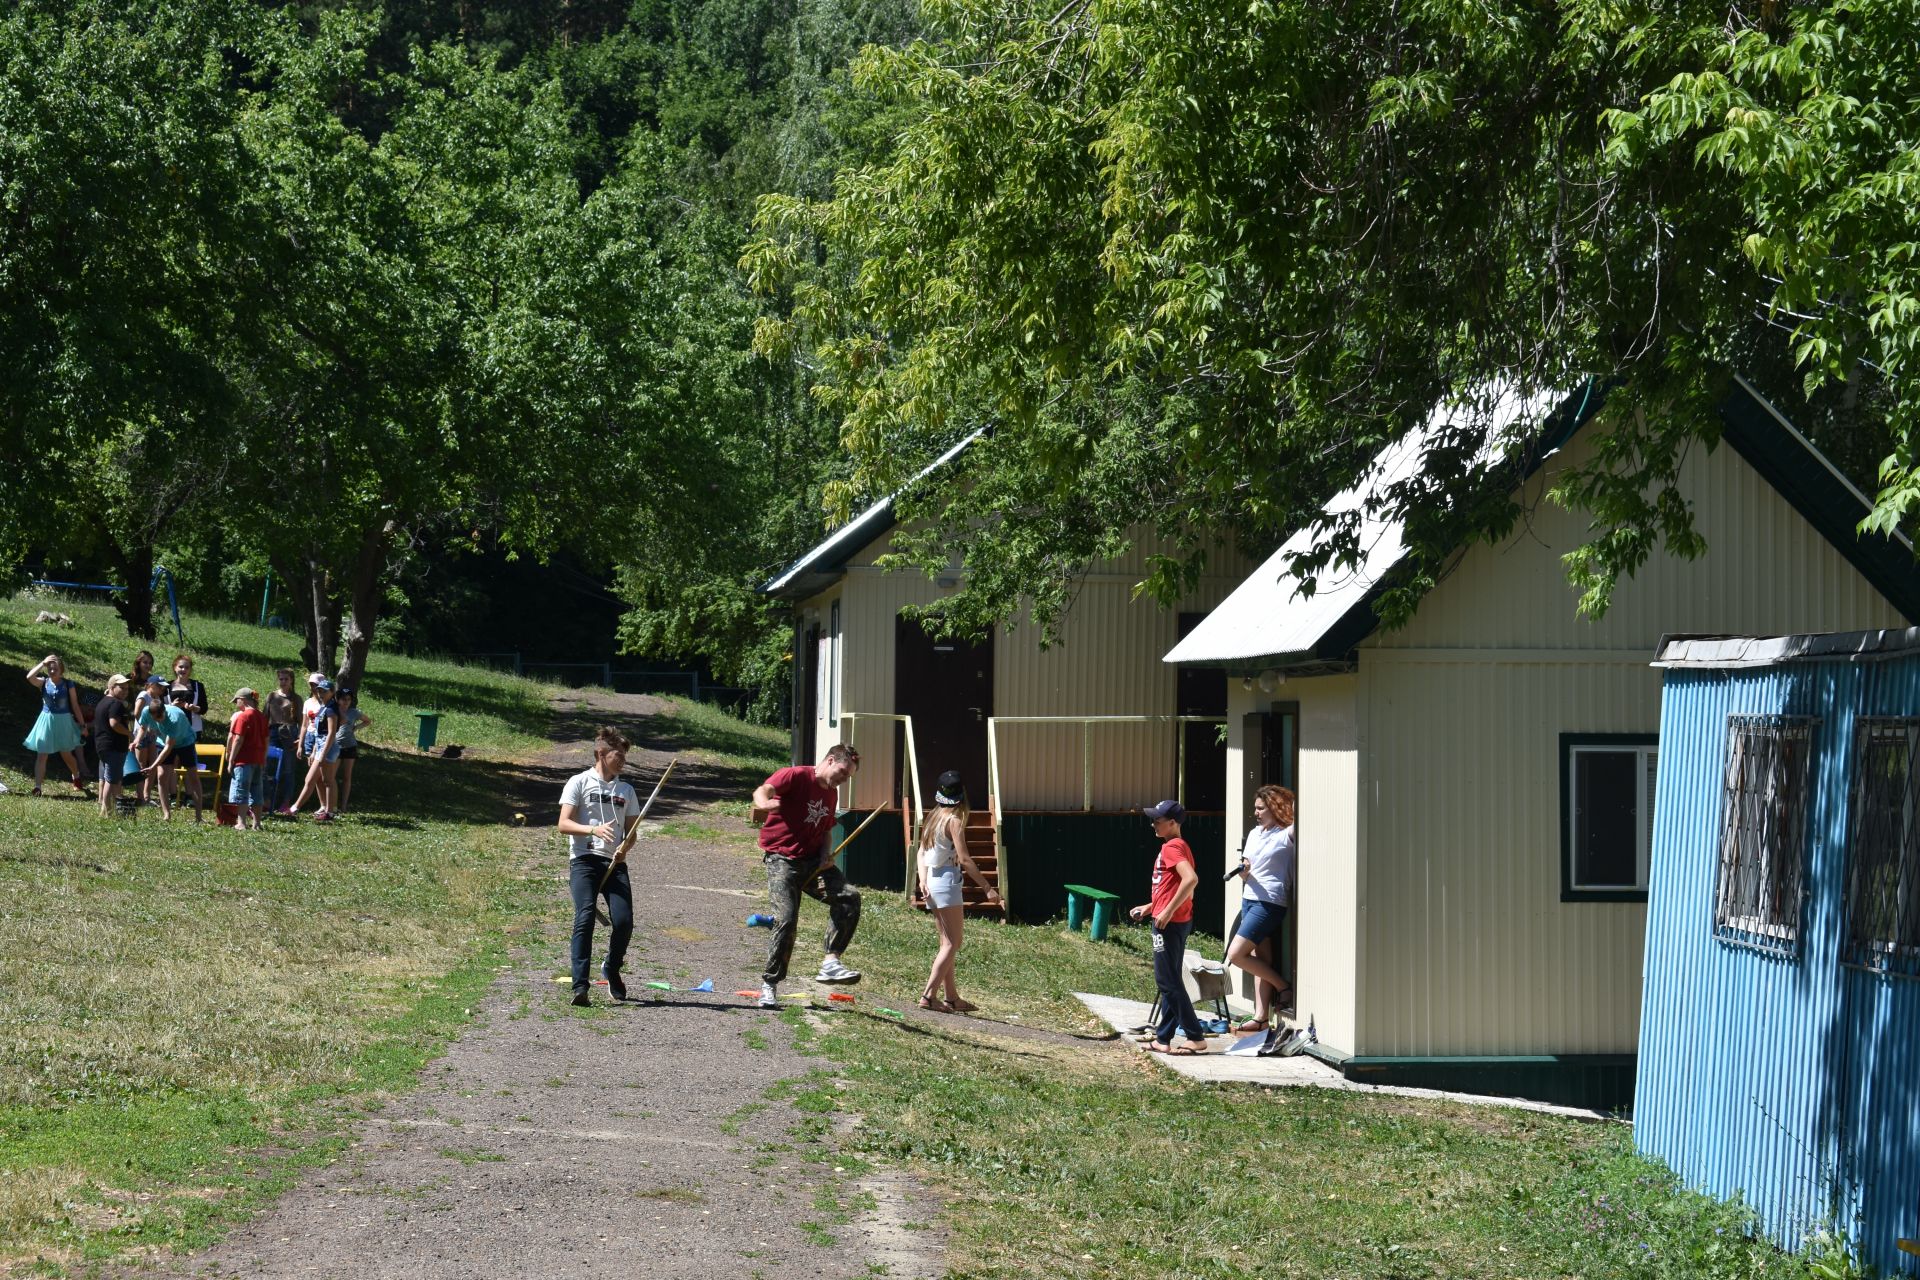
x=1065 y=1158
x=192 y=1015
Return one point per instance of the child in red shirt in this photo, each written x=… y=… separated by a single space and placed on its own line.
x=247 y=760
x=1174 y=880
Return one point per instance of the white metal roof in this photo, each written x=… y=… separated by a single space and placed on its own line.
x=1268 y=620
x=829 y=557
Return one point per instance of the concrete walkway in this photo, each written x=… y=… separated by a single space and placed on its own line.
x=1303 y=1071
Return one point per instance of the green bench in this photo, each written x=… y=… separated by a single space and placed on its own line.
x=1078 y=897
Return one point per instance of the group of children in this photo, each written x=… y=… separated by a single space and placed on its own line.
x=143 y=726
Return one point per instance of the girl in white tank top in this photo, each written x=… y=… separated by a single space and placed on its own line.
x=945 y=867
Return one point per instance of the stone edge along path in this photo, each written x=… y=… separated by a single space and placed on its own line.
x=1302 y=1071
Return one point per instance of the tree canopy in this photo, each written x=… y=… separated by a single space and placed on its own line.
x=351 y=291
x=333 y=290
x=1196 y=263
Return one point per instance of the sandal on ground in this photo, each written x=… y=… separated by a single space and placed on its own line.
x=961 y=1006
x=1188 y=1050
x=937 y=1006
x=36 y=791
x=1250 y=1025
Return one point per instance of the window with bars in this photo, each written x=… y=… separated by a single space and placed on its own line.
x=1883 y=858
x=1763 y=832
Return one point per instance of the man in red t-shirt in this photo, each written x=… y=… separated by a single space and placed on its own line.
x=1174 y=881
x=247 y=759
x=796 y=808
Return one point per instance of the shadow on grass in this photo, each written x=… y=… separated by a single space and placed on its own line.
x=527 y=714
x=401 y=790
x=675 y=727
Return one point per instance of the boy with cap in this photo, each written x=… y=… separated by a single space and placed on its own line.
x=1171 y=910
x=169 y=725
x=111 y=735
x=247 y=760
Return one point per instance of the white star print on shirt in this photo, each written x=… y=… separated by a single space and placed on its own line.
x=818 y=811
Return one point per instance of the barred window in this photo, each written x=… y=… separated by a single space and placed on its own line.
x=1763 y=832
x=1883 y=860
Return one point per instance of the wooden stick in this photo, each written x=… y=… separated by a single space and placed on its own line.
x=626 y=844
x=856 y=831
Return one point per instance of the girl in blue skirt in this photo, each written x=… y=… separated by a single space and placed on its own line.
x=59 y=729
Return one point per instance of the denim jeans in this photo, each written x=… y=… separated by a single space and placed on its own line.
x=286 y=771
x=1176 y=1007
x=583 y=879
x=819 y=878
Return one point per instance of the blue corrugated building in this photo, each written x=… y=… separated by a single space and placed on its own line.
x=1780 y=1025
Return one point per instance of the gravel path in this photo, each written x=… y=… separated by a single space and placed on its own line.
x=638 y=1138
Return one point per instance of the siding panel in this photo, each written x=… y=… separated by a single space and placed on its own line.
x=1766 y=572
x=1789 y=1081
x=1471 y=951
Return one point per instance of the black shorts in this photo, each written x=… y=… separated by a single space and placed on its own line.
x=349 y=753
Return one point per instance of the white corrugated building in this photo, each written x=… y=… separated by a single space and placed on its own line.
x=1474 y=787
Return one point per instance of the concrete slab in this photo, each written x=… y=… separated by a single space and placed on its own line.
x=1232 y=1061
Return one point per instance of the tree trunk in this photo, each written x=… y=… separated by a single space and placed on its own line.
x=319 y=619
x=366 y=589
x=135 y=604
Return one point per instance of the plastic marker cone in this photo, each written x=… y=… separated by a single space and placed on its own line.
x=893 y=1013
x=841 y=996
x=793 y=995
x=705 y=985
x=661 y=986
x=563 y=979
x=748 y=995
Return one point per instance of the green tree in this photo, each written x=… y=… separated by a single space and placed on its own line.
x=1218 y=255
x=120 y=200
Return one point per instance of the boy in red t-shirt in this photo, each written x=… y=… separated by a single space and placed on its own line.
x=1174 y=881
x=247 y=759
x=796 y=807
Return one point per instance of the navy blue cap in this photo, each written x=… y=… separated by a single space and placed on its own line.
x=1171 y=809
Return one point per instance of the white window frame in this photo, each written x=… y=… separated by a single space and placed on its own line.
x=1646 y=754
x=833 y=663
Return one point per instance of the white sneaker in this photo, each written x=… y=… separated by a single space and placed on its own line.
x=832 y=970
x=769 y=996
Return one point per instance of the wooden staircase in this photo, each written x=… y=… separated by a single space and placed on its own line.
x=985 y=851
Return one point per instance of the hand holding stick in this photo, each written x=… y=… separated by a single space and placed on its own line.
x=626 y=845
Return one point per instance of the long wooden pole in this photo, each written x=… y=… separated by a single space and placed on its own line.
x=856 y=831
x=626 y=844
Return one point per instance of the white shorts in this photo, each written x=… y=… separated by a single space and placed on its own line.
x=945 y=886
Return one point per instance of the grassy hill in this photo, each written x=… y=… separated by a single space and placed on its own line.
x=189 y=1015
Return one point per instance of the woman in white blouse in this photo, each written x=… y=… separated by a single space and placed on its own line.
x=1266 y=867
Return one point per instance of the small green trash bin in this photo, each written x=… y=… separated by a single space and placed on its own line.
x=429 y=728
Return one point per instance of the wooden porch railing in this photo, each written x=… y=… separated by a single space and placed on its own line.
x=912 y=807
x=996 y=792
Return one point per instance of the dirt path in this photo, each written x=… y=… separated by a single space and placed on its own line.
x=650 y=1137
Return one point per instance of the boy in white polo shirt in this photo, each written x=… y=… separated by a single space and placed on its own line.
x=597 y=810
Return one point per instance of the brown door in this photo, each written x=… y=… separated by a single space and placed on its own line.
x=947 y=687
